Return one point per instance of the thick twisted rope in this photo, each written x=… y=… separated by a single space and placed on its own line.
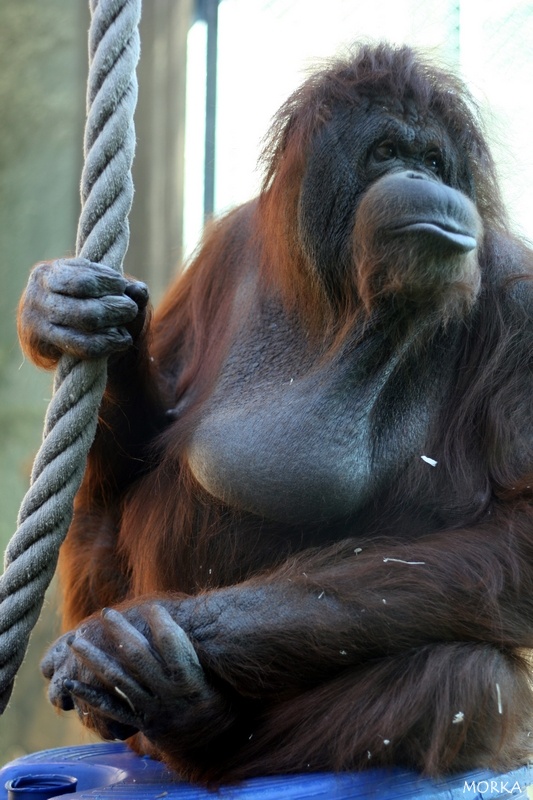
x=70 y=425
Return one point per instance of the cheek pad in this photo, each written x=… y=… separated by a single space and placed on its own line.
x=328 y=199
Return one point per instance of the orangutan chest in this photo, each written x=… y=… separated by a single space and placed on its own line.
x=292 y=453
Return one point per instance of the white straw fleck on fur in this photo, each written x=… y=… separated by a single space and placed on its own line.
x=499 y=697
x=124 y=697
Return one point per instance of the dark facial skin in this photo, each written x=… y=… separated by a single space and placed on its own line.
x=307 y=512
x=353 y=152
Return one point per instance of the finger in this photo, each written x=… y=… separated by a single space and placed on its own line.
x=81 y=278
x=172 y=643
x=102 y=701
x=58 y=695
x=138 y=291
x=89 y=315
x=85 y=346
x=136 y=654
x=110 y=673
x=56 y=655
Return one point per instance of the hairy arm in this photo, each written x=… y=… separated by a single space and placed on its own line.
x=275 y=637
x=89 y=311
x=303 y=623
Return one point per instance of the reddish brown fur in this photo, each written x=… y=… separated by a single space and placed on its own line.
x=456 y=629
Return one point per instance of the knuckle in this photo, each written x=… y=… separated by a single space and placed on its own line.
x=138 y=291
x=119 y=308
x=41 y=269
x=84 y=279
x=107 y=312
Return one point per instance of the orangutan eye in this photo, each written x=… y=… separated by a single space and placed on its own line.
x=385 y=151
x=433 y=161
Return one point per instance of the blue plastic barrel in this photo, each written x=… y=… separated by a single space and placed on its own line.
x=113 y=772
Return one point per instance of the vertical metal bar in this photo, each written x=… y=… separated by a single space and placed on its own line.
x=156 y=216
x=211 y=17
x=456 y=10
